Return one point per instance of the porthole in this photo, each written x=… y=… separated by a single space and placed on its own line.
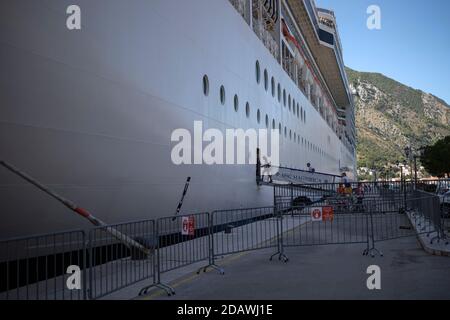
x=266 y=80
x=273 y=87
x=247 y=110
x=267 y=121
x=273 y=124
x=236 y=103
x=290 y=134
x=279 y=129
x=293 y=106
x=258 y=72
x=285 y=132
x=258 y=116
x=295 y=137
x=284 y=97
x=205 y=85
x=298 y=111
x=289 y=102
x=301 y=113
x=279 y=93
x=222 y=95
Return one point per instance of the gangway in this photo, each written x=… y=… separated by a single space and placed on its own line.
x=267 y=174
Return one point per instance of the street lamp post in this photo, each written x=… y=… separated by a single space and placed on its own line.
x=415 y=171
x=403 y=182
x=408 y=154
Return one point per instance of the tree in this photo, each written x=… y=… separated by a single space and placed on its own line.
x=436 y=158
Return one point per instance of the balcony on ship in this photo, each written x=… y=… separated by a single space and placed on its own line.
x=288 y=29
x=262 y=17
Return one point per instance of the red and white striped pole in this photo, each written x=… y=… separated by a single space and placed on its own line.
x=129 y=242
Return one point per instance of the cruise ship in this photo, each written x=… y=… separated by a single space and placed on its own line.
x=90 y=112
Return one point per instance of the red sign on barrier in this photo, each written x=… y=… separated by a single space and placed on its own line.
x=316 y=214
x=188 y=226
x=328 y=214
x=322 y=214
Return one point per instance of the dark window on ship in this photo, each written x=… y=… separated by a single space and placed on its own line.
x=298 y=110
x=258 y=116
x=290 y=134
x=279 y=129
x=222 y=95
x=285 y=132
x=236 y=103
x=205 y=85
x=293 y=106
x=267 y=121
x=266 y=80
x=258 y=72
x=273 y=124
x=289 y=102
x=284 y=97
x=279 y=93
x=247 y=110
x=273 y=87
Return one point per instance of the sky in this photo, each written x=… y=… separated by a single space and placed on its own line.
x=412 y=46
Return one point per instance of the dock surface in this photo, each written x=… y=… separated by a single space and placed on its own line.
x=322 y=272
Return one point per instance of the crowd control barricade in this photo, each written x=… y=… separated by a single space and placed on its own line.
x=44 y=267
x=241 y=230
x=121 y=255
x=182 y=240
x=389 y=219
x=305 y=195
x=445 y=213
x=427 y=215
x=323 y=224
x=433 y=185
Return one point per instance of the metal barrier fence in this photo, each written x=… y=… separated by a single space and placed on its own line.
x=240 y=230
x=114 y=265
x=340 y=220
x=445 y=208
x=36 y=267
x=428 y=217
x=39 y=267
x=291 y=195
x=432 y=186
x=181 y=241
x=323 y=225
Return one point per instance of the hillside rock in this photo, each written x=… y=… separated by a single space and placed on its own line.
x=391 y=116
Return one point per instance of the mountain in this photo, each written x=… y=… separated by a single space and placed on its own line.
x=391 y=116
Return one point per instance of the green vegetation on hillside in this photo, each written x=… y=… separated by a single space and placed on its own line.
x=436 y=158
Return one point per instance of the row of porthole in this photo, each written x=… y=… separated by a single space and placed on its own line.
x=304 y=142
x=222 y=98
x=299 y=112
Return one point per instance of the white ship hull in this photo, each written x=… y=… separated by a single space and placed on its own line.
x=90 y=113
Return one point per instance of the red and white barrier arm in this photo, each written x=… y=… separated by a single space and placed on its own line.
x=126 y=240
